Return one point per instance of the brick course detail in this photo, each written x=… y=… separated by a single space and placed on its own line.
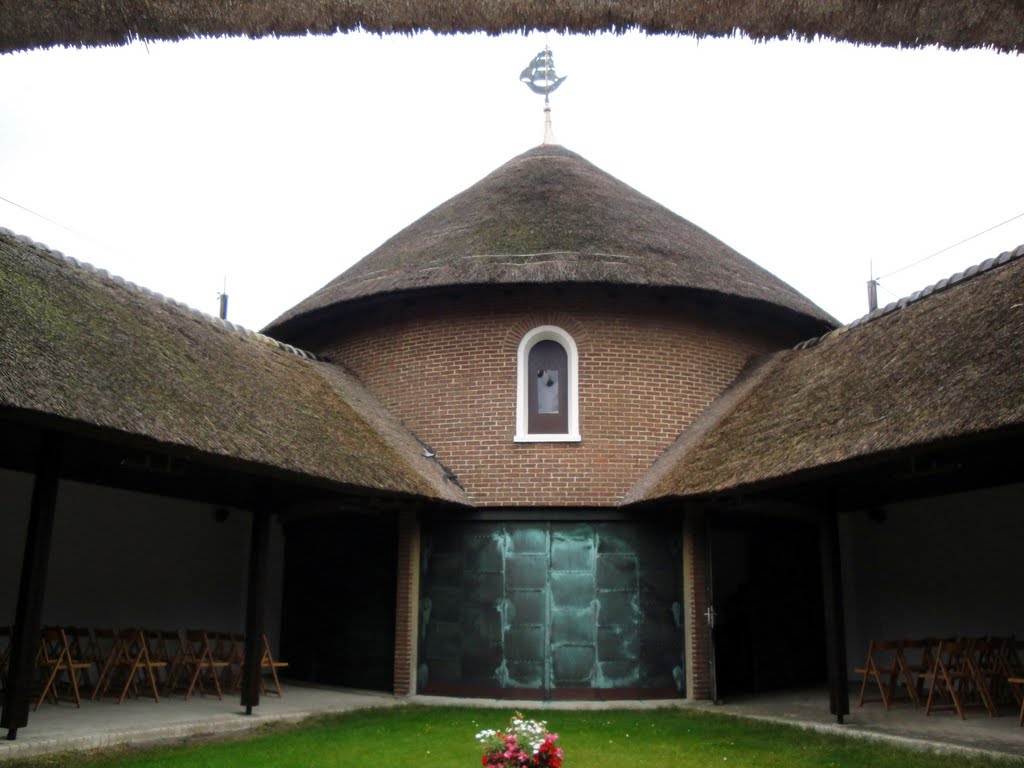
x=446 y=365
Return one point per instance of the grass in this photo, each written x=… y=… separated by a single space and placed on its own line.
x=436 y=737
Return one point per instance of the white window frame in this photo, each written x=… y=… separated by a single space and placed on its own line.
x=538 y=334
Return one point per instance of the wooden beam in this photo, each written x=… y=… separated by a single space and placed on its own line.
x=835 y=631
x=259 y=543
x=32 y=587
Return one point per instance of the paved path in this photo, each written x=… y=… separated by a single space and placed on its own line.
x=62 y=728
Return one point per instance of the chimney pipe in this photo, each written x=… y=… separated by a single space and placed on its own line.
x=223 y=306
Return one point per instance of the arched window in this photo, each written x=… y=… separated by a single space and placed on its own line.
x=546 y=391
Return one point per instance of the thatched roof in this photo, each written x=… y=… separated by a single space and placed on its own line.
x=944 y=365
x=79 y=349
x=951 y=23
x=550 y=217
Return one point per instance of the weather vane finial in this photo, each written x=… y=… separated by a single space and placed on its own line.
x=540 y=77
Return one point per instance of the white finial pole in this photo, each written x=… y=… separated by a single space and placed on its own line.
x=549 y=133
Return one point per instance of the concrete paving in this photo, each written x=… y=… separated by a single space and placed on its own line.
x=96 y=725
x=902 y=724
x=137 y=722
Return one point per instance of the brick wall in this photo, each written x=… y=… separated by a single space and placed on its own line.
x=406 y=603
x=695 y=596
x=447 y=366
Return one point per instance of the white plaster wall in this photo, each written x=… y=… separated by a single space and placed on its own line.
x=121 y=558
x=937 y=567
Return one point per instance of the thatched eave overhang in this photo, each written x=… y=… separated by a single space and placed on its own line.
x=964 y=463
x=315 y=328
x=121 y=459
x=79 y=347
x=955 y=24
x=942 y=369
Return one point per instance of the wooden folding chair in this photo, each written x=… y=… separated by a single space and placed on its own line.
x=982 y=659
x=886 y=666
x=196 y=662
x=1017 y=683
x=917 y=661
x=229 y=648
x=84 y=647
x=950 y=681
x=268 y=662
x=5 y=652
x=163 y=647
x=166 y=646
x=130 y=669
x=108 y=646
x=55 y=657
x=1008 y=663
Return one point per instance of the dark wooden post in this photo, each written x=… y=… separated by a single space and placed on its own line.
x=29 y=613
x=255 y=604
x=835 y=631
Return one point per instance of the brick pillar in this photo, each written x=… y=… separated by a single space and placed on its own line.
x=695 y=596
x=407 y=603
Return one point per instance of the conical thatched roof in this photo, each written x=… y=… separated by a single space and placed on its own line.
x=550 y=217
x=952 y=23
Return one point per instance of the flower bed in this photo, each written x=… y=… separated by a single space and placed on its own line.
x=524 y=744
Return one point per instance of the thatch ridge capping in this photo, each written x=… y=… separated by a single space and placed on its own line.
x=128 y=285
x=947 y=282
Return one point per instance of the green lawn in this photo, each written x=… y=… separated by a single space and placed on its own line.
x=435 y=737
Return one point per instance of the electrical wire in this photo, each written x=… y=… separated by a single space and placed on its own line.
x=105 y=246
x=951 y=247
x=44 y=218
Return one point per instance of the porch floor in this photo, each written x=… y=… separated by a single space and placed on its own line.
x=902 y=724
x=138 y=722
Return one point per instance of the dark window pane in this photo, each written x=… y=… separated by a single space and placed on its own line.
x=548 y=387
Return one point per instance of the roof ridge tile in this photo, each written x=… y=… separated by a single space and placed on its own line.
x=947 y=282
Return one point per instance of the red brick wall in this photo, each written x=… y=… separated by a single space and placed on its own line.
x=406 y=603
x=447 y=366
x=695 y=586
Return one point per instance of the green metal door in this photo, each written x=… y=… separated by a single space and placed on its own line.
x=550 y=609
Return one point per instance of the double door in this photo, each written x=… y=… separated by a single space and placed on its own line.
x=550 y=609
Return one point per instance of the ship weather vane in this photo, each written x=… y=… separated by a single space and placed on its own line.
x=540 y=77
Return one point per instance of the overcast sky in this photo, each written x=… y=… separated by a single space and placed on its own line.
x=278 y=163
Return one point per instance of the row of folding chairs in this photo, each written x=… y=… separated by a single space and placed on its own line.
x=953 y=674
x=139 y=662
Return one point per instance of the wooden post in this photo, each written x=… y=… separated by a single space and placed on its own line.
x=29 y=613
x=835 y=631
x=259 y=543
